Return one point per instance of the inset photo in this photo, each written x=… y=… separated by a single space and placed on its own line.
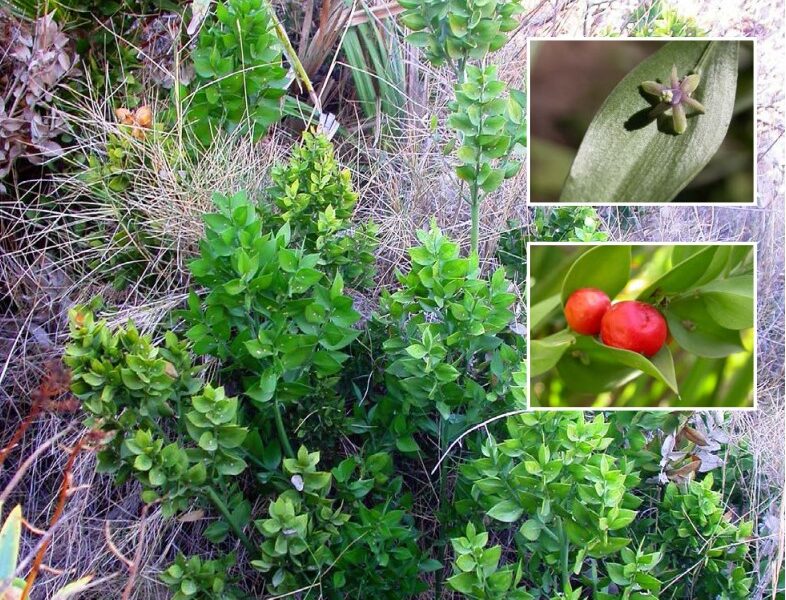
x=642 y=121
x=633 y=326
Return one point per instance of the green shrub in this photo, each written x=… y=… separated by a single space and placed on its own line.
x=268 y=312
x=560 y=224
x=570 y=489
x=574 y=507
x=310 y=538
x=701 y=540
x=193 y=578
x=447 y=354
x=478 y=574
x=454 y=31
x=129 y=386
x=314 y=196
x=240 y=76
x=489 y=127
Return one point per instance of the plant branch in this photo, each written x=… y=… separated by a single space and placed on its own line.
x=222 y=508
x=282 y=434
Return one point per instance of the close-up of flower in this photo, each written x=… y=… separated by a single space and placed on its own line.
x=676 y=95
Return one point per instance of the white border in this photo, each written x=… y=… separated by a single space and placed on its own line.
x=755 y=350
x=754 y=202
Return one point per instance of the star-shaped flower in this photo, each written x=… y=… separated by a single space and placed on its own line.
x=676 y=95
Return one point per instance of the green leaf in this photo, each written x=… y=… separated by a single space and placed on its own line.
x=612 y=366
x=156 y=477
x=615 y=572
x=208 y=442
x=730 y=301
x=416 y=351
x=546 y=353
x=692 y=327
x=686 y=272
x=506 y=511
x=624 y=158
x=231 y=465
x=463 y=582
x=541 y=311
x=188 y=587
x=407 y=444
x=142 y=462
x=605 y=267
x=531 y=529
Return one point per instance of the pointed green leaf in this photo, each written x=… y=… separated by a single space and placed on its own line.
x=596 y=367
x=605 y=267
x=546 y=353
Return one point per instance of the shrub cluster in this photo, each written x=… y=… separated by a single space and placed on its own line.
x=442 y=354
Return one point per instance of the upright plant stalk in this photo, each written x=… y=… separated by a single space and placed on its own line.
x=282 y=434
x=439 y=575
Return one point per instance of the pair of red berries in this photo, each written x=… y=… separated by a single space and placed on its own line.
x=630 y=325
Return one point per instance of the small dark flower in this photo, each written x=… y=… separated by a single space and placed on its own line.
x=676 y=95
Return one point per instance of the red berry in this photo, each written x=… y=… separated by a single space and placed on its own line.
x=585 y=309
x=634 y=326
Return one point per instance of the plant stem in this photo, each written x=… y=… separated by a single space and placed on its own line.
x=282 y=434
x=475 y=214
x=563 y=554
x=292 y=56
x=442 y=491
x=222 y=508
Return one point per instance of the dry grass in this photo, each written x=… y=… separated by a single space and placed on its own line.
x=404 y=181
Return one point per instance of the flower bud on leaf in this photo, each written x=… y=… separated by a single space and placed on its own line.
x=675 y=96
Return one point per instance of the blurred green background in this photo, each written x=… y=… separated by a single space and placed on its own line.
x=569 y=81
x=709 y=382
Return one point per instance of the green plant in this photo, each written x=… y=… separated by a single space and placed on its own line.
x=268 y=311
x=310 y=539
x=240 y=76
x=455 y=31
x=571 y=489
x=213 y=426
x=632 y=575
x=562 y=223
x=703 y=542
x=448 y=356
x=193 y=578
x=489 y=127
x=121 y=377
x=374 y=52
x=656 y=18
x=478 y=574
x=129 y=386
x=314 y=197
x=163 y=471
x=451 y=358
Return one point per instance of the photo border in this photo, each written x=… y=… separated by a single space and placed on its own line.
x=754 y=202
x=755 y=402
